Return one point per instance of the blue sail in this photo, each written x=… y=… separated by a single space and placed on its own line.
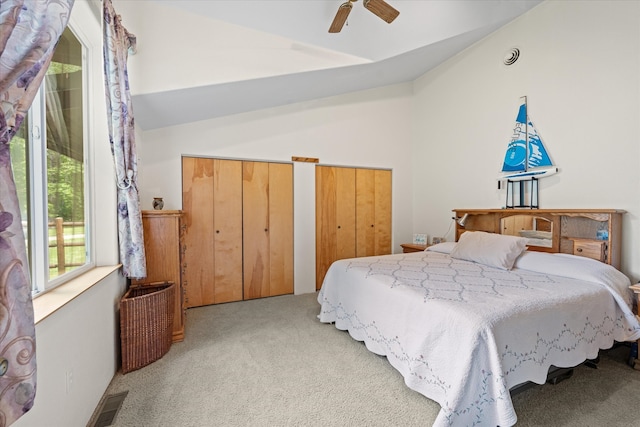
x=517 y=151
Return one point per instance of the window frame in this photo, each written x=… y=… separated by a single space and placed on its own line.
x=36 y=155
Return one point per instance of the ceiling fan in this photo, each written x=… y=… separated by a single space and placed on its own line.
x=380 y=8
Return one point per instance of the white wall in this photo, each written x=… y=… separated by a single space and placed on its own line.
x=370 y=128
x=82 y=337
x=580 y=68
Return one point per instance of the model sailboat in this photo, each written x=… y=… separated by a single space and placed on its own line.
x=526 y=156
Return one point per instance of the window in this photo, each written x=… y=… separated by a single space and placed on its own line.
x=52 y=139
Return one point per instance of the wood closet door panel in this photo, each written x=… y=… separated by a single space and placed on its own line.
x=255 y=176
x=383 y=206
x=335 y=217
x=227 y=231
x=346 y=213
x=365 y=213
x=281 y=228
x=326 y=221
x=197 y=203
x=373 y=212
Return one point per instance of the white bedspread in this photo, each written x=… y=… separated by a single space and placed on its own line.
x=463 y=333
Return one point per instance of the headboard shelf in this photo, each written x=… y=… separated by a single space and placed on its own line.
x=595 y=233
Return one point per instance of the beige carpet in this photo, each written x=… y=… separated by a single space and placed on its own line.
x=269 y=362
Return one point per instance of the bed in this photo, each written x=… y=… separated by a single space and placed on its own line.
x=465 y=327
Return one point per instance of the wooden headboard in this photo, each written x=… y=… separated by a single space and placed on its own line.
x=594 y=233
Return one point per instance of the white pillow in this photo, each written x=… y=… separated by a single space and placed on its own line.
x=443 y=248
x=494 y=250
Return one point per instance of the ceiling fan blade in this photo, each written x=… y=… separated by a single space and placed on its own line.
x=341 y=17
x=382 y=9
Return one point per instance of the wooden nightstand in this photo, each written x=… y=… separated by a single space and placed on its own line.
x=412 y=247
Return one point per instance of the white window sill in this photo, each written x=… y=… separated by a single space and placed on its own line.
x=48 y=303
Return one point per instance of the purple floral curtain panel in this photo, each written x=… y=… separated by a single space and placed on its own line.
x=29 y=31
x=116 y=43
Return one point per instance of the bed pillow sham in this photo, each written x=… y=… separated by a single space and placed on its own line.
x=494 y=250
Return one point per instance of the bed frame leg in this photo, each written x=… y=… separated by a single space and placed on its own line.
x=560 y=375
x=592 y=363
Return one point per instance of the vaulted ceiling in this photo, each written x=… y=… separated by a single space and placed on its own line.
x=290 y=55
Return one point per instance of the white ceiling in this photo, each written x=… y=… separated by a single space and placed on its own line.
x=373 y=53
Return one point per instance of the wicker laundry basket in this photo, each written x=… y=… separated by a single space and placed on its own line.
x=146 y=323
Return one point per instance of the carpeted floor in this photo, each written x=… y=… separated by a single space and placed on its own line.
x=269 y=362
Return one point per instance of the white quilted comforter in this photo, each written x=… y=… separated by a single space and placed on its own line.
x=463 y=334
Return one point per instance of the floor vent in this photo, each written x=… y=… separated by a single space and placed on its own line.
x=109 y=409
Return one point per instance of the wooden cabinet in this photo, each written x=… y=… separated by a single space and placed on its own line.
x=353 y=215
x=593 y=233
x=238 y=229
x=163 y=250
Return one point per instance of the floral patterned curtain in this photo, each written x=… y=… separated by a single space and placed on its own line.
x=116 y=43
x=29 y=31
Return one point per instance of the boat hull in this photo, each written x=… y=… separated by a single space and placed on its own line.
x=528 y=175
